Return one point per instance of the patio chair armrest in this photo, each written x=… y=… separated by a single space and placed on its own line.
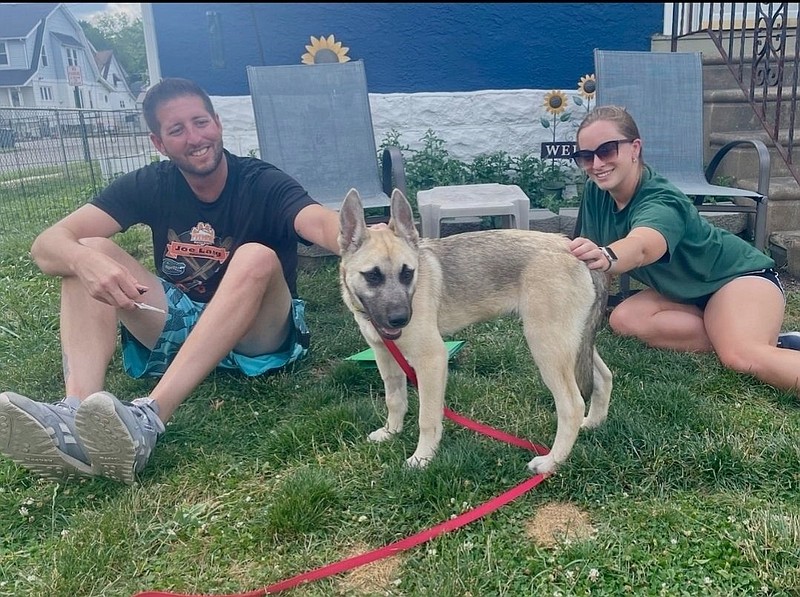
x=393 y=171
x=760 y=231
x=763 y=163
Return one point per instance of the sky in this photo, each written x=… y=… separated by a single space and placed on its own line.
x=87 y=11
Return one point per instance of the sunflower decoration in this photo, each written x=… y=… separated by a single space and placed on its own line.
x=555 y=103
x=587 y=88
x=325 y=50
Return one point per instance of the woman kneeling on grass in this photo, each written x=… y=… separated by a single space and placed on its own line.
x=707 y=289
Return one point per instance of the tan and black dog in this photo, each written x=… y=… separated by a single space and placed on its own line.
x=412 y=291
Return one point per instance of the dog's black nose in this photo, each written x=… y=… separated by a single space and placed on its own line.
x=398 y=320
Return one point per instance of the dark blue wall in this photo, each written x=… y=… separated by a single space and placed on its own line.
x=406 y=47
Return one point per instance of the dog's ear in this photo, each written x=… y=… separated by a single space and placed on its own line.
x=352 y=226
x=402 y=220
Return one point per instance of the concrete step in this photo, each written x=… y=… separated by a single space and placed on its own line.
x=784 y=247
x=730 y=110
x=783 y=209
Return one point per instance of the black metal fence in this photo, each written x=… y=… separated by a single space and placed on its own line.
x=52 y=161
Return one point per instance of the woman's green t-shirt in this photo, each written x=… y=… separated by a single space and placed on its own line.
x=700 y=257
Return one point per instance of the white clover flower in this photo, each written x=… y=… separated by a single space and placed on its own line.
x=362 y=518
x=64 y=532
x=23 y=511
x=594 y=574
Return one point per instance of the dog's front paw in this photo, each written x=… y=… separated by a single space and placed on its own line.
x=542 y=465
x=591 y=422
x=418 y=462
x=380 y=435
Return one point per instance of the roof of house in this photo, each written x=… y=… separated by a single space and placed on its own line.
x=103 y=61
x=18 y=19
x=66 y=39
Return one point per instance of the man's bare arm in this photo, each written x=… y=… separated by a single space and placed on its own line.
x=58 y=248
x=67 y=249
x=319 y=225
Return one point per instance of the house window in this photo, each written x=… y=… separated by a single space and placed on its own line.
x=44 y=55
x=72 y=57
x=121 y=103
x=46 y=93
x=16 y=99
x=3 y=54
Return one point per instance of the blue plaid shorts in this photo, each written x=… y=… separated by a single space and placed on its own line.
x=182 y=316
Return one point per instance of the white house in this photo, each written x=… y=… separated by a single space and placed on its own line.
x=119 y=95
x=47 y=62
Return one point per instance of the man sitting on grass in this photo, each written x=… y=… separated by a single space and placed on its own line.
x=225 y=232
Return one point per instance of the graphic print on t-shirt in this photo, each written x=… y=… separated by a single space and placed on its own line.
x=192 y=257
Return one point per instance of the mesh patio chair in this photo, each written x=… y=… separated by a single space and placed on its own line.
x=663 y=91
x=314 y=123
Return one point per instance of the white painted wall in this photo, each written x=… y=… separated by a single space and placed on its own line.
x=471 y=123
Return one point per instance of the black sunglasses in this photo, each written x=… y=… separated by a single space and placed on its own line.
x=605 y=151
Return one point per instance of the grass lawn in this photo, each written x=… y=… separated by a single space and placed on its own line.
x=691 y=487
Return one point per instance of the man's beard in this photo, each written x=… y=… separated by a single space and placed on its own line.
x=189 y=167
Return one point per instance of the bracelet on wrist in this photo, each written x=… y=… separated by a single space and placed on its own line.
x=609 y=254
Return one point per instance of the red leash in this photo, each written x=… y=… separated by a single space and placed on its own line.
x=463 y=421
x=414 y=540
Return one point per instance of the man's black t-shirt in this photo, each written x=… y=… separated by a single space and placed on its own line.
x=193 y=241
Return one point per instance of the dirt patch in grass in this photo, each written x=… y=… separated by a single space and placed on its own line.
x=559 y=522
x=369 y=579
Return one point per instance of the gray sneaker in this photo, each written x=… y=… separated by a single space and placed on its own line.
x=118 y=436
x=41 y=437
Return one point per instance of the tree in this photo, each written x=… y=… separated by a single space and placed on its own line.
x=123 y=35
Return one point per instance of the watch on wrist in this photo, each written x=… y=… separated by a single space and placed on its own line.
x=609 y=254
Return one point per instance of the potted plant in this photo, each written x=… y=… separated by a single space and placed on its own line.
x=552 y=186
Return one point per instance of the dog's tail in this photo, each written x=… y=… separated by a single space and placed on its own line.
x=584 y=368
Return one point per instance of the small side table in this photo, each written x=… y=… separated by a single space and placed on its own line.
x=458 y=201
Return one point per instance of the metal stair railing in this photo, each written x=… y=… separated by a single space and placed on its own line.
x=759 y=43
